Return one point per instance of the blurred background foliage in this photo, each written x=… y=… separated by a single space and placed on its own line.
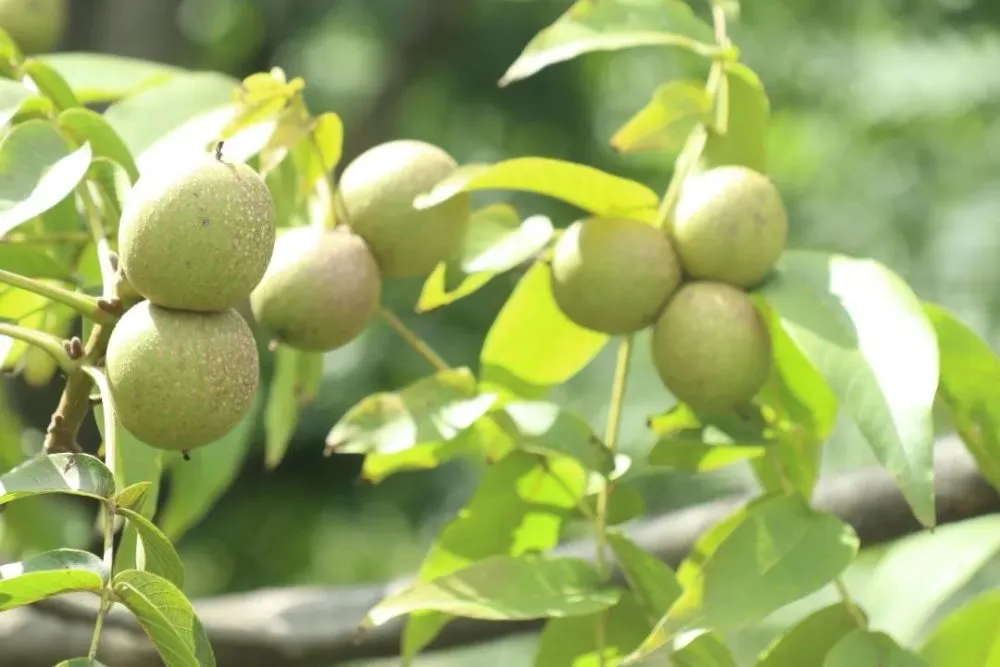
x=885 y=140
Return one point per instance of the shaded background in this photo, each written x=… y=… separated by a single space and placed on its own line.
x=884 y=140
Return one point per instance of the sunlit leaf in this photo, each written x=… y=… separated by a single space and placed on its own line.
x=546 y=429
x=697 y=442
x=102 y=77
x=50 y=83
x=702 y=649
x=48 y=574
x=12 y=96
x=89 y=126
x=607 y=25
x=664 y=123
x=864 y=647
x=745 y=139
x=167 y=617
x=157 y=554
x=573 y=641
x=866 y=333
x=31 y=261
x=809 y=640
x=967 y=637
x=76 y=474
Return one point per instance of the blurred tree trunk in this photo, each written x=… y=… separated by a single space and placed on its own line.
x=137 y=28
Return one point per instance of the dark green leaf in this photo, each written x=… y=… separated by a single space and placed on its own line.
x=37 y=171
x=156 y=553
x=967 y=547
x=196 y=485
x=532 y=346
x=48 y=574
x=31 y=261
x=967 y=636
x=745 y=139
x=581 y=185
x=86 y=125
x=608 y=25
x=102 y=77
x=519 y=507
x=702 y=649
x=664 y=123
x=866 y=333
x=497 y=241
x=652 y=580
x=572 y=641
x=12 y=96
x=50 y=83
x=133 y=496
x=863 y=647
x=505 y=588
x=808 y=641
x=625 y=503
x=167 y=618
x=970 y=389
x=434 y=409
x=77 y=474
x=283 y=401
x=546 y=429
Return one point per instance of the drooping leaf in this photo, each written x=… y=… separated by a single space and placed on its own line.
x=289 y=390
x=547 y=429
x=519 y=507
x=607 y=25
x=866 y=333
x=37 y=171
x=581 y=185
x=48 y=574
x=12 y=96
x=967 y=637
x=434 y=409
x=505 y=588
x=967 y=547
x=76 y=474
x=31 y=261
x=90 y=126
x=970 y=389
x=497 y=241
x=102 y=77
x=745 y=139
x=261 y=96
x=50 y=83
x=809 y=640
x=572 y=641
x=665 y=122
x=532 y=346
x=167 y=618
x=653 y=582
x=156 y=554
x=864 y=647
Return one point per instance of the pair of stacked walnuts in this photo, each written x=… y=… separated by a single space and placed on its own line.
x=710 y=345
x=199 y=239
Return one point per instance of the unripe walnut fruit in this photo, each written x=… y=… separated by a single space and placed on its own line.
x=730 y=225
x=320 y=291
x=711 y=347
x=376 y=193
x=180 y=379
x=613 y=275
x=36 y=26
x=198 y=235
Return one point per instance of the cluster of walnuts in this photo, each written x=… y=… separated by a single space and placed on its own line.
x=710 y=345
x=198 y=239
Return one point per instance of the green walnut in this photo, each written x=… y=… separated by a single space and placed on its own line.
x=181 y=379
x=320 y=291
x=711 y=347
x=375 y=196
x=36 y=26
x=613 y=275
x=197 y=236
x=730 y=225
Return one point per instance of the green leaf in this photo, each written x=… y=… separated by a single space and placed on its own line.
x=580 y=185
x=48 y=574
x=434 y=409
x=866 y=333
x=31 y=261
x=809 y=640
x=863 y=647
x=37 y=171
x=75 y=474
x=546 y=429
x=377 y=467
x=157 y=554
x=505 y=588
x=699 y=442
x=970 y=389
x=573 y=641
x=12 y=96
x=967 y=547
x=519 y=507
x=327 y=139
x=745 y=139
x=290 y=386
x=81 y=662
x=532 y=346
x=132 y=496
x=496 y=242
x=664 y=123
x=653 y=582
x=967 y=637
x=702 y=649
x=50 y=83
x=86 y=125
x=101 y=77
x=167 y=618
x=608 y=25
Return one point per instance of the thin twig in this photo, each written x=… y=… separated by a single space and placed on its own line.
x=81 y=303
x=43 y=341
x=414 y=341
